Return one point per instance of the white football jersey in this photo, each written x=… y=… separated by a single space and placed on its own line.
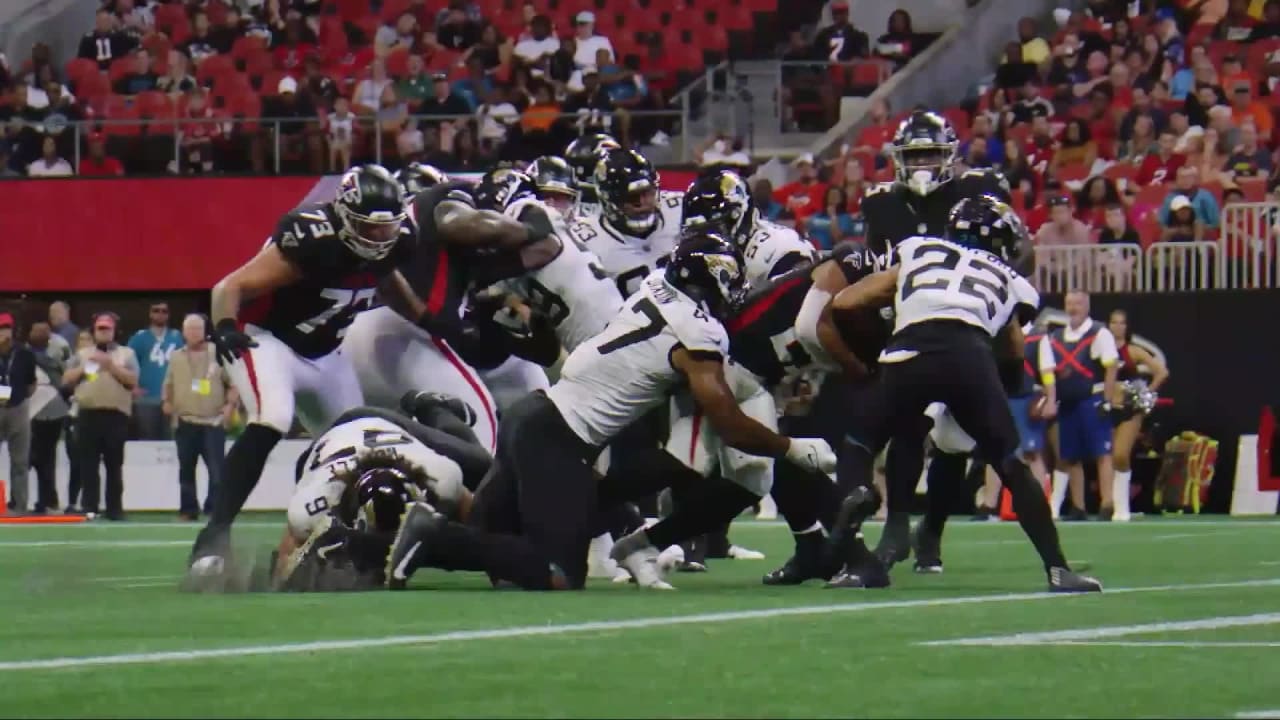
x=318 y=492
x=942 y=280
x=573 y=290
x=608 y=382
x=769 y=243
x=629 y=260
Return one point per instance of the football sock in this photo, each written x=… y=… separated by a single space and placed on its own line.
x=245 y=462
x=1027 y=496
x=1120 y=493
x=1061 y=482
x=946 y=480
x=803 y=498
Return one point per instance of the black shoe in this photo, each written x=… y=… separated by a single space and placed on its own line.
x=854 y=510
x=984 y=514
x=40 y=510
x=210 y=541
x=870 y=575
x=927 y=547
x=415 y=403
x=1063 y=580
x=417 y=527
x=116 y=516
x=72 y=510
x=894 y=545
x=1105 y=514
x=1075 y=515
x=803 y=566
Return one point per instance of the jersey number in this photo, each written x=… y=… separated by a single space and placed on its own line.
x=656 y=324
x=629 y=281
x=971 y=284
x=546 y=302
x=348 y=302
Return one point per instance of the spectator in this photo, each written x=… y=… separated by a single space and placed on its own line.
x=1096 y=73
x=470 y=10
x=6 y=169
x=1142 y=140
x=1041 y=147
x=223 y=37
x=591 y=105
x=1183 y=80
x=980 y=128
x=1017 y=172
x=152 y=346
x=49 y=164
x=1097 y=194
x=400 y=135
x=762 y=196
x=141 y=78
x=975 y=155
x=494 y=118
x=50 y=408
x=465 y=157
x=105 y=42
x=832 y=223
x=491 y=50
x=841 y=41
x=17 y=382
x=537 y=49
x=898 y=42
x=1270 y=25
x=339 y=126
x=1172 y=44
x=60 y=323
x=1244 y=107
x=298 y=129
x=404 y=34
x=1158 y=167
x=176 y=80
x=561 y=68
x=1029 y=106
x=367 y=96
x=1201 y=200
x=856 y=186
x=197 y=133
x=1180 y=223
x=97 y=163
x=806 y=194
x=319 y=88
x=1015 y=72
x=135 y=18
x=1141 y=104
x=723 y=153
x=1212 y=158
x=444 y=103
x=1116 y=229
x=102 y=377
x=415 y=86
x=1249 y=159
x=199 y=45
x=293 y=50
x=198 y=393
x=876 y=138
x=457 y=32
x=1063 y=227
x=476 y=86
x=538 y=118
x=1035 y=49
x=587 y=43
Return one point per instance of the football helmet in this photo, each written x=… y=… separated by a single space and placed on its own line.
x=708 y=269
x=628 y=188
x=924 y=152
x=722 y=199
x=381 y=496
x=584 y=153
x=987 y=223
x=987 y=181
x=555 y=180
x=501 y=187
x=416 y=177
x=370 y=204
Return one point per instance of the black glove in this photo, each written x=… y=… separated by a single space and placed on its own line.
x=230 y=342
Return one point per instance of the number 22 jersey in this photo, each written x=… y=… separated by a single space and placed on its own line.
x=611 y=380
x=311 y=315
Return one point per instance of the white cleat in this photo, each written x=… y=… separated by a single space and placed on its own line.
x=599 y=564
x=768 y=509
x=737 y=552
x=670 y=560
x=643 y=566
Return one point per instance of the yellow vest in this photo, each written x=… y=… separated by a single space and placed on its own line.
x=198 y=386
x=99 y=390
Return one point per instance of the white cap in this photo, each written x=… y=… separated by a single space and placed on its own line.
x=802 y=159
x=287 y=85
x=1178 y=203
x=586 y=16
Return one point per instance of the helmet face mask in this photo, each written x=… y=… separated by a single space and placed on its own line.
x=988 y=223
x=628 y=188
x=556 y=182
x=583 y=154
x=381 y=496
x=924 y=152
x=371 y=207
x=708 y=269
x=500 y=188
x=722 y=200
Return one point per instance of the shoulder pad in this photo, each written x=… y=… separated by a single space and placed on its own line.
x=303 y=227
x=693 y=328
x=878 y=188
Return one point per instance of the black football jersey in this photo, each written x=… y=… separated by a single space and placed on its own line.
x=312 y=315
x=762 y=336
x=439 y=274
x=893 y=213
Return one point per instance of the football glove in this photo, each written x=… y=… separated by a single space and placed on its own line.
x=813 y=454
x=230 y=342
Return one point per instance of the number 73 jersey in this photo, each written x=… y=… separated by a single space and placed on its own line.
x=942 y=280
x=311 y=315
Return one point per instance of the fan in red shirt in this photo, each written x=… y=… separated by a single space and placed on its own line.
x=804 y=196
x=874 y=138
x=200 y=127
x=293 y=52
x=98 y=163
x=1161 y=166
x=1040 y=147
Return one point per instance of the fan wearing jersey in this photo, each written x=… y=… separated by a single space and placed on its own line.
x=952 y=298
x=440 y=352
x=583 y=154
x=356 y=479
x=280 y=318
x=918 y=202
x=638 y=224
x=669 y=334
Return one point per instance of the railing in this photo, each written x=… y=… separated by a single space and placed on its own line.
x=1091 y=268
x=1182 y=266
x=151 y=146
x=1163 y=266
x=1248 y=246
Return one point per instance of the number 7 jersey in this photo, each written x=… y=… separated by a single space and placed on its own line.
x=942 y=280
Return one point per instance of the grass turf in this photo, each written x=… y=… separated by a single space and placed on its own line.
x=108 y=591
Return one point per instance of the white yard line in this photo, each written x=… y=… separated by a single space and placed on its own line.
x=1196 y=535
x=1165 y=643
x=1258 y=714
x=149 y=658
x=90 y=544
x=171 y=582
x=130 y=578
x=1099 y=633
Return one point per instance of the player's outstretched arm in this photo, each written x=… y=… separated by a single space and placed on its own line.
x=828 y=281
x=266 y=271
x=394 y=292
x=705 y=373
x=873 y=291
x=460 y=224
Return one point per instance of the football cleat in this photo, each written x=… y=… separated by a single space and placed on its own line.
x=637 y=556
x=869 y=575
x=737 y=552
x=927 y=547
x=1064 y=580
x=417 y=526
x=857 y=506
x=801 y=567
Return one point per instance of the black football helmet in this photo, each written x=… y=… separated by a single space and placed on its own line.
x=381 y=496
x=583 y=154
x=924 y=152
x=708 y=268
x=986 y=181
x=557 y=185
x=370 y=204
x=628 y=189
x=501 y=187
x=723 y=199
x=987 y=223
x=416 y=177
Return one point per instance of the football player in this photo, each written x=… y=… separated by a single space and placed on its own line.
x=279 y=320
x=917 y=202
x=958 y=303
x=583 y=155
x=457 y=243
x=638 y=224
x=417 y=177
x=557 y=185
x=669 y=334
x=355 y=480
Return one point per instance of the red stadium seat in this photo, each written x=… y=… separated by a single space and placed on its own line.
x=153 y=103
x=92 y=85
x=169 y=14
x=230 y=85
x=120 y=107
x=78 y=68
x=1219 y=49
x=158 y=45
x=1152 y=195
x=245 y=46
x=214 y=67
x=258 y=62
x=1074 y=172
x=867 y=73
x=1121 y=171
x=119 y=68
x=737 y=18
x=352 y=10
x=959 y=119
x=1258 y=50
x=714 y=37
x=216 y=10
x=1254 y=189
x=392 y=10
x=397 y=62
x=270 y=82
x=248 y=107
x=333 y=38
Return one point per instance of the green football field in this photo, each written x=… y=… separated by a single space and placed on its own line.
x=91 y=625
